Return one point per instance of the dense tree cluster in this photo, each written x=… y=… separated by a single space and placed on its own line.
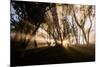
x=62 y=22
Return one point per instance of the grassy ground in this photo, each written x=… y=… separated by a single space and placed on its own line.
x=53 y=55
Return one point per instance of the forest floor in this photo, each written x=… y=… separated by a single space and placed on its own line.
x=54 y=55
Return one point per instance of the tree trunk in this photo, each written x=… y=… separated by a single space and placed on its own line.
x=84 y=34
x=88 y=35
x=81 y=27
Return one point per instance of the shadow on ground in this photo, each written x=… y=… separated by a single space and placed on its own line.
x=53 y=55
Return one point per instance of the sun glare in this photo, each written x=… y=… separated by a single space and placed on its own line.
x=65 y=43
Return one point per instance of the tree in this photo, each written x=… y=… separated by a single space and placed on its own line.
x=85 y=12
x=91 y=15
x=81 y=22
x=29 y=18
x=58 y=26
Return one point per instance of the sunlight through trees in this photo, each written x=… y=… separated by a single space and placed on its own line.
x=52 y=24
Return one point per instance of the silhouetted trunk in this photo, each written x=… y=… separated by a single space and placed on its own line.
x=81 y=27
x=84 y=34
x=33 y=33
x=35 y=44
x=88 y=35
x=74 y=31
